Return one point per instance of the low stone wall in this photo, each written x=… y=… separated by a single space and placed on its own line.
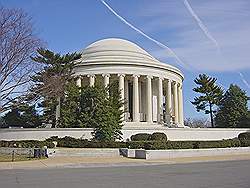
x=19 y=151
x=84 y=152
x=181 y=153
x=43 y=133
x=173 y=134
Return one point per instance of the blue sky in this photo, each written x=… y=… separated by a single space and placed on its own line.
x=68 y=26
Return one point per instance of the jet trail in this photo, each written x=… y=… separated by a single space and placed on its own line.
x=208 y=34
x=200 y=23
x=244 y=80
x=144 y=34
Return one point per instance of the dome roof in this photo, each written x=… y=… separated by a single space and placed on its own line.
x=114 y=50
x=116 y=44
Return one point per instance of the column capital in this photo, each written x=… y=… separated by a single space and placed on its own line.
x=174 y=82
x=149 y=77
x=105 y=75
x=135 y=75
x=168 y=80
x=121 y=75
x=90 y=75
x=179 y=85
x=160 y=78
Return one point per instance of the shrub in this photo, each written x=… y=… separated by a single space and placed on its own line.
x=52 y=138
x=71 y=142
x=135 y=144
x=154 y=145
x=219 y=144
x=244 y=139
x=83 y=143
x=27 y=143
x=140 y=137
x=244 y=136
x=157 y=136
x=245 y=143
x=144 y=144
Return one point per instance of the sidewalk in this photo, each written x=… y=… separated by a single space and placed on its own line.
x=84 y=162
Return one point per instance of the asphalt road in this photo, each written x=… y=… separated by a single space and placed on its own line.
x=235 y=174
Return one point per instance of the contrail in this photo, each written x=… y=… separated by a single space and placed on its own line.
x=144 y=34
x=208 y=34
x=200 y=23
x=244 y=80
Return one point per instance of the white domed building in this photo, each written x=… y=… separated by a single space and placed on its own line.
x=152 y=90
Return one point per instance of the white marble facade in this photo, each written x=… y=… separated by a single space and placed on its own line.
x=152 y=90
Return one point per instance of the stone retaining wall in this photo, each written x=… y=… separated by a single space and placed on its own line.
x=19 y=151
x=181 y=153
x=84 y=152
x=172 y=133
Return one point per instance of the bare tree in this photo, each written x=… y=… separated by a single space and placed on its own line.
x=17 y=43
x=197 y=122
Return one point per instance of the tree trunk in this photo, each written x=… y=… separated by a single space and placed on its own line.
x=211 y=114
x=58 y=109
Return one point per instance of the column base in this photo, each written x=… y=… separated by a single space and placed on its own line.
x=141 y=124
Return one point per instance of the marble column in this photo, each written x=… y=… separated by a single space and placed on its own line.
x=126 y=95
x=169 y=98
x=160 y=101
x=91 y=80
x=176 y=111
x=136 y=115
x=106 y=79
x=121 y=88
x=149 y=117
x=180 y=105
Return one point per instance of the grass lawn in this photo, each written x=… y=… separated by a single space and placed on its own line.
x=8 y=158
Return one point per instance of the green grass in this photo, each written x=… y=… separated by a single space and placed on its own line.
x=8 y=158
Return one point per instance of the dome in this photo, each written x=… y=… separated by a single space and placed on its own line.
x=116 y=44
x=115 y=49
x=120 y=51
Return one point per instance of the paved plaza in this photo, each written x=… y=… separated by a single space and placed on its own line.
x=228 y=174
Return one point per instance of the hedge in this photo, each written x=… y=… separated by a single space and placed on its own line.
x=150 y=145
x=27 y=143
x=244 y=139
x=244 y=136
x=140 y=137
x=159 y=142
x=83 y=143
x=154 y=145
x=157 y=136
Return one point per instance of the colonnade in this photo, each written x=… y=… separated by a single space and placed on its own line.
x=172 y=107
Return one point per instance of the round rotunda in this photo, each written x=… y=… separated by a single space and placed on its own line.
x=151 y=90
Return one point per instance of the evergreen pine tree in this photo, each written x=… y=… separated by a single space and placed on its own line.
x=50 y=83
x=101 y=110
x=232 y=108
x=245 y=121
x=13 y=118
x=70 y=107
x=22 y=115
x=211 y=95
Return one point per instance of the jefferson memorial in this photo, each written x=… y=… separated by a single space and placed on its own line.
x=152 y=90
